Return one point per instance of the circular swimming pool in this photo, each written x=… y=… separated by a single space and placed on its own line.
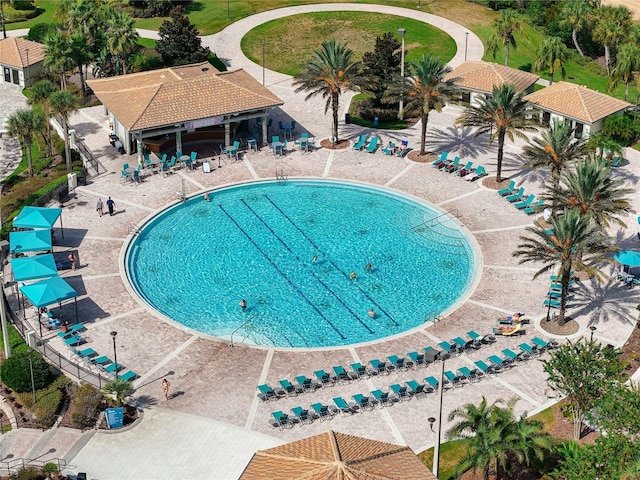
x=319 y=263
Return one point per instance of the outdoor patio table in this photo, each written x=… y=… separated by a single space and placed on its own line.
x=231 y=151
x=156 y=162
x=252 y=144
x=277 y=145
x=183 y=159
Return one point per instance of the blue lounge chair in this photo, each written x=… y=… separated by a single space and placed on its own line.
x=306 y=383
x=73 y=340
x=461 y=172
x=71 y=331
x=388 y=150
x=379 y=367
x=359 y=370
x=322 y=411
x=513 y=356
x=302 y=415
x=453 y=379
x=400 y=392
x=113 y=368
x=463 y=344
x=450 y=348
x=536 y=207
x=324 y=378
x=543 y=345
x=281 y=420
x=290 y=389
x=479 y=173
x=525 y=203
x=398 y=362
x=373 y=145
x=341 y=374
x=416 y=358
x=362 y=140
x=442 y=159
x=343 y=406
x=102 y=360
x=484 y=368
x=416 y=388
x=470 y=375
x=432 y=381
x=86 y=353
x=268 y=393
x=450 y=167
x=506 y=191
x=498 y=363
x=528 y=349
x=128 y=376
x=363 y=402
x=515 y=196
x=382 y=398
x=556 y=303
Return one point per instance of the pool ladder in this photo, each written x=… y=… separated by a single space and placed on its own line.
x=281 y=178
x=134 y=229
x=432 y=317
x=244 y=324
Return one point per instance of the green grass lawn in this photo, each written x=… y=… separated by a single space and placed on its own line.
x=47 y=15
x=291 y=41
x=450 y=455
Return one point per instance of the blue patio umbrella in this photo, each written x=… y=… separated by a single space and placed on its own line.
x=49 y=291
x=32 y=268
x=628 y=258
x=30 y=241
x=38 y=217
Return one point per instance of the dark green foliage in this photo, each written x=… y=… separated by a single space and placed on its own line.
x=16 y=342
x=40 y=31
x=84 y=407
x=15 y=373
x=370 y=109
x=142 y=63
x=619 y=128
x=28 y=473
x=380 y=66
x=179 y=43
x=22 y=4
x=155 y=8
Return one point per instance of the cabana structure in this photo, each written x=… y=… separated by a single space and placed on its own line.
x=48 y=292
x=586 y=109
x=33 y=268
x=168 y=107
x=30 y=241
x=20 y=60
x=38 y=218
x=477 y=79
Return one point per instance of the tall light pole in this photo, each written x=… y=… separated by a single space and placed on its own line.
x=466 y=42
x=593 y=329
x=26 y=84
x=3 y=311
x=436 y=447
x=228 y=10
x=33 y=384
x=401 y=32
x=115 y=353
x=264 y=42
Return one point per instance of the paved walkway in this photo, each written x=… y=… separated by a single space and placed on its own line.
x=214 y=403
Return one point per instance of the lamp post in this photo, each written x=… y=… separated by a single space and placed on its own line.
x=401 y=32
x=115 y=353
x=264 y=42
x=466 y=42
x=26 y=80
x=33 y=384
x=228 y=10
x=436 y=447
x=593 y=329
x=635 y=113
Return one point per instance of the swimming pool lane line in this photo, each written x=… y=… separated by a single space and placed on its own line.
x=313 y=244
x=305 y=266
x=295 y=287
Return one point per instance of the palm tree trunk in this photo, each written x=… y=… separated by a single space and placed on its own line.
x=67 y=149
x=334 y=107
x=506 y=54
x=574 y=37
x=626 y=91
x=423 y=132
x=27 y=146
x=82 y=82
x=501 y=136
x=551 y=72
x=607 y=59
x=566 y=277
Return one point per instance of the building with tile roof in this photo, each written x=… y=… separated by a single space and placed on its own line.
x=337 y=456
x=20 y=60
x=477 y=79
x=168 y=107
x=585 y=108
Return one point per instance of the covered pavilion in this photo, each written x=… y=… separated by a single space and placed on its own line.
x=166 y=107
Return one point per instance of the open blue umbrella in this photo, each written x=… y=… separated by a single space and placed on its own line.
x=628 y=258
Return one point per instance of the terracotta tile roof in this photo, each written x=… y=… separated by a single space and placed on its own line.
x=178 y=94
x=483 y=76
x=336 y=456
x=13 y=52
x=576 y=101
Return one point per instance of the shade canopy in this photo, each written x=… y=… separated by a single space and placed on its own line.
x=629 y=258
x=30 y=241
x=32 y=268
x=37 y=217
x=47 y=292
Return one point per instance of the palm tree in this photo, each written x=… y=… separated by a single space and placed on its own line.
x=528 y=439
x=573 y=242
x=119 y=388
x=80 y=54
x=122 y=37
x=329 y=73
x=425 y=90
x=65 y=103
x=504 y=30
x=575 y=14
x=613 y=24
x=24 y=124
x=604 y=147
x=503 y=114
x=57 y=56
x=556 y=149
x=40 y=93
x=627 y=63
x=591 y=191
x=552 y=54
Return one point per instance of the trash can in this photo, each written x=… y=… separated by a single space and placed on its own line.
x=375 y=122
x=347 y=118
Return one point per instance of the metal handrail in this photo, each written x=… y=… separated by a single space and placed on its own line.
x=16 y=464
x=88 y=154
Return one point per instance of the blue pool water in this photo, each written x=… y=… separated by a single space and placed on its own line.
x=196 y=261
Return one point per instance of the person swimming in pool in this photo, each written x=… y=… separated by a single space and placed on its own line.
x=372 y=313
x=368 y=267
x=314 y=259
x=352 y=275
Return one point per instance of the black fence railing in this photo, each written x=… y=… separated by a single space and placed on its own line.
x=88 y=155
x=9 y=466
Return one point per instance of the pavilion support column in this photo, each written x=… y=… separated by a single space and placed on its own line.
x=178 y=140
x=139 y=145
x=265 y=133
x=227 y=134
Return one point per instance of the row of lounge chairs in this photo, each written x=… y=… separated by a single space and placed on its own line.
x=364 y=143
x=520 y=200
x=554 y=293
x=376 y=367
x=411 y=388
x=103 y=363
x=466 y=171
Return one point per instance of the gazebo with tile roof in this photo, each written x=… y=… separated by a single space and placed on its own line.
x=477 y=79
x=196 y=99
x=586 y=109
x=20 y=60
x=337 y=456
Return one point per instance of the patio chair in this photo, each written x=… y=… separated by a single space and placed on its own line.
x=85 y=354
x=322 y=411
x=388 y=150
x=432 y=382
x=267 y=393
x=528 y=349
x=461 y=172
x=515 y=356
x=341 y=374
x=280 y=420
x=498 y=363
x=373 y=145
x=306 y=383
x=416 y=388
x=164 y=158
x=302 y=415
x=399 y=363
x=324 y=378
x=102 y=360
x=525 y=203
x=128 y=375
x=343 y=407
x=71 y=331
x=478 y=173
x=450 y=167
x=360 y=370
x=507 y=190
x=463 y=344
x=535 y=208
x=381 y=368
x=147 y=161
x=484 y=368
x=363 y=402
x=470 y=375
x=382 y=398
x=453 y=379
x=359 y=145
x=540 y=344
x=417 y=358
x=290 y=389
x=403 y=149
x=73 y=341
x=514 y=197
x=450 y=348
x=275 y=138
x=400 y=392
x=441 y=159
x=112 y=368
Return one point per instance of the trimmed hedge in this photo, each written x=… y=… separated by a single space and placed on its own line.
x=15 y=371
